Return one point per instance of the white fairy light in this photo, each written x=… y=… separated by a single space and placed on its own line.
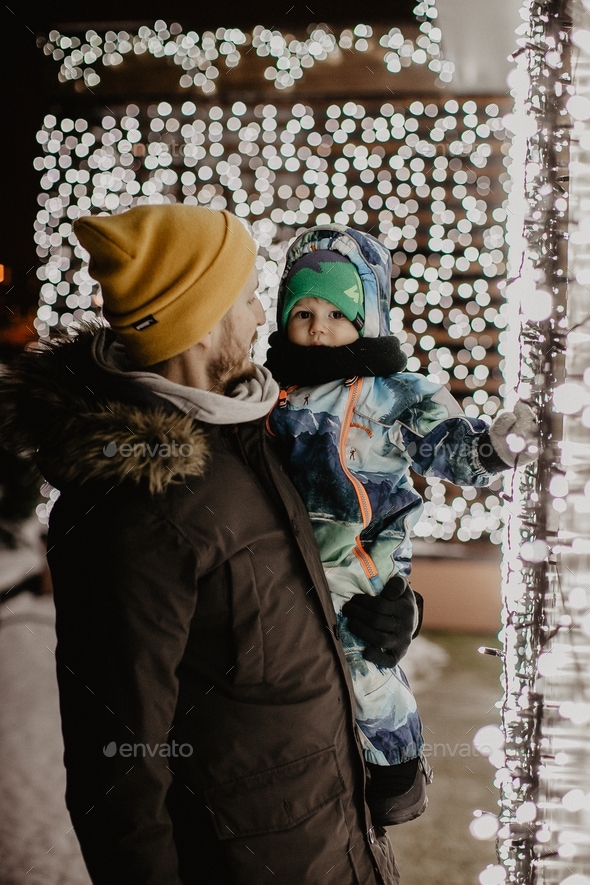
x=203 y=56
x=483 y=826
x=492 y=875
x=544 y=776
x=570 y=397
x=488 y=739
x=370 y=164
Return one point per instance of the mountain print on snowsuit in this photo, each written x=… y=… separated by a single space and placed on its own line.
x=351 y=444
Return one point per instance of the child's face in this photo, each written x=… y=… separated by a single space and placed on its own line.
x=315 y=321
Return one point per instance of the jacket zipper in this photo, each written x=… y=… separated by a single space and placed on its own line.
x=281 y=403
x=361 y=554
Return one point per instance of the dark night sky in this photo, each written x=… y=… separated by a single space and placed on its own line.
x=26 y=97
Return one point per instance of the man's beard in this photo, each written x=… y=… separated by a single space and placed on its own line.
x=232 y=366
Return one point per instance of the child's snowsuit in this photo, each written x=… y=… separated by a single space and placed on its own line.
x=351 y=444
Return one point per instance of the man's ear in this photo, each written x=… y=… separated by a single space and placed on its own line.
x=206 y=342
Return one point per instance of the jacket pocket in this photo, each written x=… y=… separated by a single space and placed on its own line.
x=276 y=799
x=246 y=621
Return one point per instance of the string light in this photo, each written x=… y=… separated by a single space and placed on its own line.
x=202 y=57
x=543 y=763
x=284 y=166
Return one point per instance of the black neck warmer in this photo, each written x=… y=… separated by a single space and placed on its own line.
x=307 y=366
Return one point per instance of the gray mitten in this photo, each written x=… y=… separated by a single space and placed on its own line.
x=506 y=429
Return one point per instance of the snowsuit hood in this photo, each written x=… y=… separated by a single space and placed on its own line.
x=371 y=259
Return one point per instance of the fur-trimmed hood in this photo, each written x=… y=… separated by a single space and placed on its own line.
x=80 y=424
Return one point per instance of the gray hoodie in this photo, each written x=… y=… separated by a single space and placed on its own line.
x=252 y=399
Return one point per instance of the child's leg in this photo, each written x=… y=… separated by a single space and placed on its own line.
x=386 y=710
x=388 y=722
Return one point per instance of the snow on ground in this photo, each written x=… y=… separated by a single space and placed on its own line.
x=423 y=663
x=37 y=843
x=27 y=558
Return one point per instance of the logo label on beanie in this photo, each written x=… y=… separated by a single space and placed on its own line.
x=354 y=293
x=140 y=325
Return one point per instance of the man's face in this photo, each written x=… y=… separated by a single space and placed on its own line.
x=230 y=362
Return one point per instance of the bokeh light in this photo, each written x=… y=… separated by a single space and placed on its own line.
x=417 y=175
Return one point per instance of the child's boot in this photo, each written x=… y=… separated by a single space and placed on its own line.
x=397 y=793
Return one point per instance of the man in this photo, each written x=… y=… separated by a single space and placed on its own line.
x=207 y=709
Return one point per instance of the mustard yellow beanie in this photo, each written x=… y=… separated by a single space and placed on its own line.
x=168 y=274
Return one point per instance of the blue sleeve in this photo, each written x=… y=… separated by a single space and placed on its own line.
x=441 y=440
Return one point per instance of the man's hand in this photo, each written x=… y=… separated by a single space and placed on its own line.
x=387 y=622
x=516 y=435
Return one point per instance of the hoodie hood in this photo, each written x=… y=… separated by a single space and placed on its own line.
x=83 y=421
x=250 y=400
x=371 y=259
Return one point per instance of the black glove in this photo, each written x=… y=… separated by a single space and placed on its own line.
x=387 y=622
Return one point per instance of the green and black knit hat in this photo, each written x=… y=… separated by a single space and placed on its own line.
x=328 y=275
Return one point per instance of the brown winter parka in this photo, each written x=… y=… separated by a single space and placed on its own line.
x=207 y=708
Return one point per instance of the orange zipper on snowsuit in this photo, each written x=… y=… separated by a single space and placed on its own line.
x=281 y=403
x=369 y=567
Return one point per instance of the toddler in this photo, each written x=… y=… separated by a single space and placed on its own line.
x=353 y=423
